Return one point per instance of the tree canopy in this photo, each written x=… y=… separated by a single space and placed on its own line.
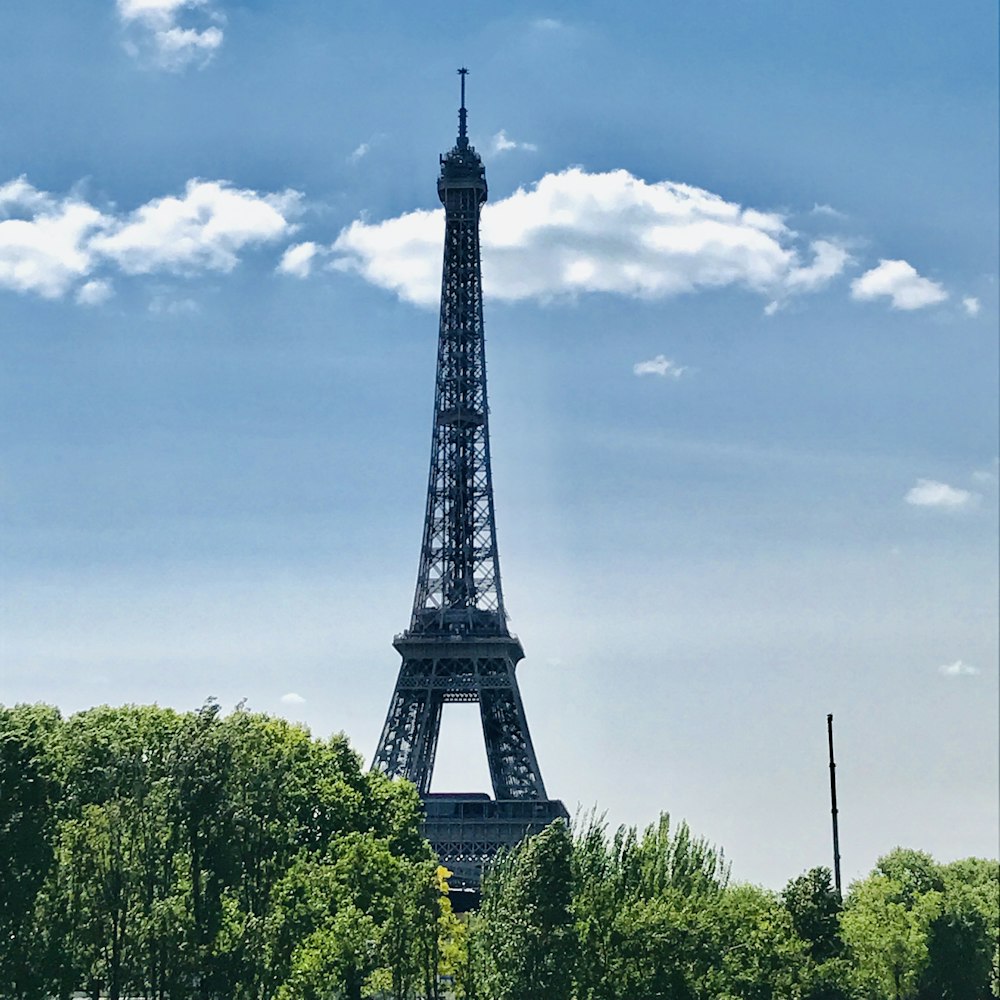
x=148 y=853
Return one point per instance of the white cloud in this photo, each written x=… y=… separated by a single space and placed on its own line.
x=988 y=476
x=659 y=365
x=930 y=493
x=292 y=699
x=501 y=144
x=828 y=210
x=297 y=260
x=50 y=245
x=157 y=32
x=829 y=260
x=93 y=293
x=203 y=230
x=899 y=281
x=958 y=669
x=575 y=232
x=44 y=241
x=163 y=305
x=971 y=305
x=360 y=152
x=18 y=197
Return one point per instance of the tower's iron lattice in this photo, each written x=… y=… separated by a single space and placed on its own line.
x=458 y=647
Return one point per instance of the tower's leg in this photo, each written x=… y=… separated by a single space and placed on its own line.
x=410 y=735
x=511 y=756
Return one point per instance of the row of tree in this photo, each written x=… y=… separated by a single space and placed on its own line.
x=146 y=853
x=628 y=917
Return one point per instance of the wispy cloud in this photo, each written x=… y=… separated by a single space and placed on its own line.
x=988 y=476
x=931 y=493
x=829 y=260
x=93 y=293
x=50 y=245
x=500 y=143
x=171 y=34
x=575 y=232
x=971 y=305
x=827 y=210
x=363 y=149
x=660 y=365
x=898 y=281
x=958 y=669
x=292 y=699
x=163 y=304
x=298 y=259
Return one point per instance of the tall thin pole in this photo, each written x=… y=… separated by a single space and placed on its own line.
x=463 y=132
x=833 y=806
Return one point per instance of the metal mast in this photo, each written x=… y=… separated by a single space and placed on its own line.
x=458 y=647
x=833 y=805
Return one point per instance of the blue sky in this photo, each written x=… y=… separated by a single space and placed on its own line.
x=741 y=271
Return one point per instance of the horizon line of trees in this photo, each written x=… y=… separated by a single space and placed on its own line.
x=148 y=853
x=584 y=915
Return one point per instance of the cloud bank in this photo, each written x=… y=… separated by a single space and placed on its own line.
x=161 y=32
x=574 y=232
x=50 y=245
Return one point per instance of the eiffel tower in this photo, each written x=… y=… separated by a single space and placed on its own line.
x=458 y=647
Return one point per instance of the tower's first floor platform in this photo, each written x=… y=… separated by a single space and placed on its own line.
x=467 y=831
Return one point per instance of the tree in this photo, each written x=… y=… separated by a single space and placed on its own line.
x=526 y=942
x=916 y=929
x=886 y=938
x=29 y=793
x=959 y=954
x=335 y=959
x=912 y=873
x=640 y=906
x=961 y=938
x=814 y=906
x=760 y=955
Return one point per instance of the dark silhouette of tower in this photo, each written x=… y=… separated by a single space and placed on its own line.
x=458 y=647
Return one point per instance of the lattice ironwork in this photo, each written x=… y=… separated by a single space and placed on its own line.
x=458 y=584
x=458 y=647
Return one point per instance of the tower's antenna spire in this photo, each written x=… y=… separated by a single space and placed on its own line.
x=463 y=132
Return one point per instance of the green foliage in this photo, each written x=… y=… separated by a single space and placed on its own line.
x=526 y=947
x=150 y=853
x=916 y=929
x=886 y=937
x=655 y=916
x=814 y=906
x=29 y=793
x=195 y=856
x=760 y=957
x=642 y=909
